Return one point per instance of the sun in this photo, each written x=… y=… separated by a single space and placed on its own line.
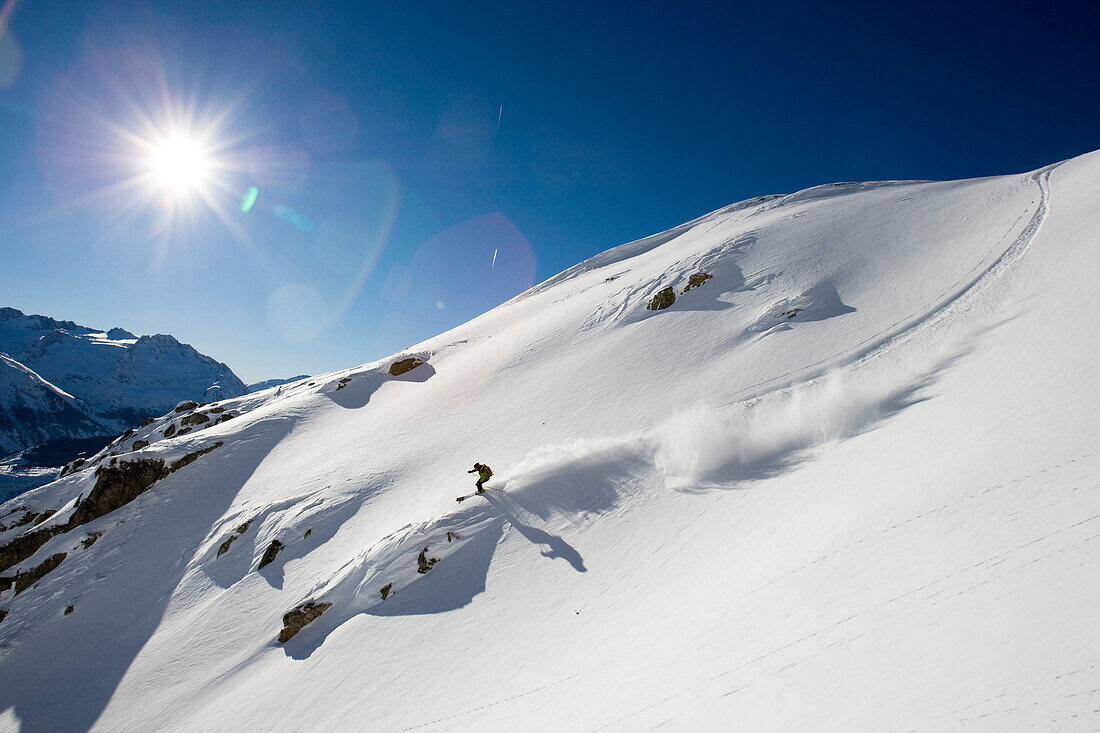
x=181 y=165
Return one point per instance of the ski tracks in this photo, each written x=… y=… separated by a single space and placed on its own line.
x=956 y=299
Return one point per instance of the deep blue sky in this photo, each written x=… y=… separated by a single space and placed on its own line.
x=386 y=183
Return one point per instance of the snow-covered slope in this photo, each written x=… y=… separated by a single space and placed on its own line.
x=33 y=410
x=849 y=482
x=269 y=383
x=121 y=377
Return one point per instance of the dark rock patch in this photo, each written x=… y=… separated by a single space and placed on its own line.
x=195 y=418
x=269 y=554
x=696 y=279
x=191 y=457
x=308 y=533
x=69 y=609
x=26 y=580
x=148 y=421
x=170 y=430
x=241 y=529
x=386 y=590
x=217 y=410
x=71 y=467
x=423 y=562
x=117 y=486
x=24 y=546
x=90 y=539
x=225 y=545
x=185 y=406
x=6 y=582
x=44 y=516
x=663 y=299
x=139 y=444
x=27 y=519
x=344 y=382
x=224 y=417
x=295 y=620
x=3 y=615
x=401 y=366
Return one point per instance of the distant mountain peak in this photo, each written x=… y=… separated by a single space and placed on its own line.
x=117 y=386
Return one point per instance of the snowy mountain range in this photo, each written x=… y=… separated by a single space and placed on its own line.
x=106 y=380
x=818 y=461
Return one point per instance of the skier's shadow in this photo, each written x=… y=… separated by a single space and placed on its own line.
x=558 y=547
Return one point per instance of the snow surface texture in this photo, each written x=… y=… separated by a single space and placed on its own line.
x=848 y=483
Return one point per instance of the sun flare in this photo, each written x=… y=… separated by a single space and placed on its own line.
x=180 y=165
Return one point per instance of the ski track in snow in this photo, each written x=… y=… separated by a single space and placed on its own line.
x=953 y=300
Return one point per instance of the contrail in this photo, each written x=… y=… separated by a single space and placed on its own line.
x=494 y=259
x=499 y=115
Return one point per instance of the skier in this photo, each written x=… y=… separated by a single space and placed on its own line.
x=483 y=472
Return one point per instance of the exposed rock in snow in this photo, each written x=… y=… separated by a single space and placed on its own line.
x=662 y=299
x=272 y=550
x=32 y=576
x=696 y=279
x=295 y=620
x=407 y=364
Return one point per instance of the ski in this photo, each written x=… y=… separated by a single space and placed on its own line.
x=467 y=496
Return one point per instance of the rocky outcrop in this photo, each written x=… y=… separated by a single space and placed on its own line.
x=27 y=579
x=240 y=530
x=269 y=554
x=24 y=546
x=424 y=563
x=139 y=444
x=295 y=620
x=663 y=299
x=185 y=405
x=71 y=467
x=191 y=457
x=386 y=589
x=170 y=430
x=224 y=548
x=116 y=486
x=401 y=366
x=697 y=279
x=195 y=418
